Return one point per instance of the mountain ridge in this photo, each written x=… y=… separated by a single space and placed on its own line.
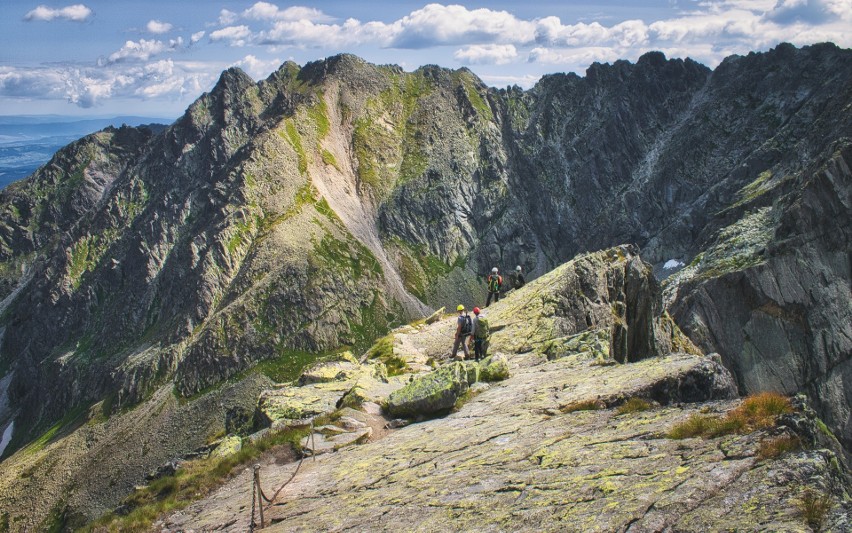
x=320 y=207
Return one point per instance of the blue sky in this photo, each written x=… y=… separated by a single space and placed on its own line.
x=154 y=57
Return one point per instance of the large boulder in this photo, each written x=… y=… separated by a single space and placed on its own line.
x=298 y=406
x=432 y=393
x=494 y=368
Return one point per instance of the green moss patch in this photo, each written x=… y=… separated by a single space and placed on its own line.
x=384 y=352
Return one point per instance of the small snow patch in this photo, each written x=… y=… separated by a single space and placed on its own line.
x=672 y=264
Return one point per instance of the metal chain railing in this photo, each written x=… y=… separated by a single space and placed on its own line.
x=258 y=497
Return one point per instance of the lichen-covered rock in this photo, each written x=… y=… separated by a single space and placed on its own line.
x=494 y=368
x=291 y=405
x=594 y=342
x=229 y=446
x=436 y=316
x=369 y=389
x=327 y=371
x=431 y=393
x=511 y=460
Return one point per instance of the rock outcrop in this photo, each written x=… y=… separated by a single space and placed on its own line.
x=554 y=445
x=772 y=295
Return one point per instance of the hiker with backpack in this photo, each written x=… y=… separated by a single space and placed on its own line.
x=518 y=280
x=464 y=327
x=481 y=334
x=495 y=283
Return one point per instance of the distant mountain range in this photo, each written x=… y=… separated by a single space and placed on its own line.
x=29 y=141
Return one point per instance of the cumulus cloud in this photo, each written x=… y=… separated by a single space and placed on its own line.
x=257 y=68
x=267 y=11
x=76 y=13
x=158 y=27
x=24 y=83
x=574 y=59
x=551 y=31
x=197 y=36
x=90 y=86
x=497 y=54
x=808 y=11
x=233 y=35
x=143 y=50
x=436 y=24
x=227 y=17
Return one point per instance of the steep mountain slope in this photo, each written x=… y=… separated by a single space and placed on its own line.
x=316 y=209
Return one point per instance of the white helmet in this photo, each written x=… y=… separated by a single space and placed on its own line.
x=518 y=268
x=494 y=270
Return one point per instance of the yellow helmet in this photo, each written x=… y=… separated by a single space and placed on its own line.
x=460 y=308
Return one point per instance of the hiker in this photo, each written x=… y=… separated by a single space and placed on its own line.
x=464 y=327
x=518 y=280
x=495 y=283
x=480 y=335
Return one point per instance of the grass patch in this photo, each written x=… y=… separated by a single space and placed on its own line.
x=476 y=100
x=242 y=235
x=288 y=366
x=775 y=448
x=756 y=412
x=292 y=135
x=585 y=405
x=192 y=481
x=633 y=405
x=329 y=159
x=319 y=114
x=382 y=350
x=814 y=507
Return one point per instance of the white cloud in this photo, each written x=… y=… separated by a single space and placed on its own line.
x=143 y=49
x=257 y=68
x=573 y=59
x=525 y=81
x=37 y=82
x=234 y=35
x=158 y=27
x=550 y=31
x=436 y=24
x=197 y=36
x=267 y=11
x=76 y=13
x=477 y=54
x=738 y=24
x=91 y=86
x=227 y=17
x=808 y=11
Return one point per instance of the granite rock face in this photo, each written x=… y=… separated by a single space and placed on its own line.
x=777 y=306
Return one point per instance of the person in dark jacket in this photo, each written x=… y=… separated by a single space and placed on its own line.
x=464 y=327
x=518 y=280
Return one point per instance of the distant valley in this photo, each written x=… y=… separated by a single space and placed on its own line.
x=29 y=141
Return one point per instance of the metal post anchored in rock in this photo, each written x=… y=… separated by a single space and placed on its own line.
x=256 y=496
